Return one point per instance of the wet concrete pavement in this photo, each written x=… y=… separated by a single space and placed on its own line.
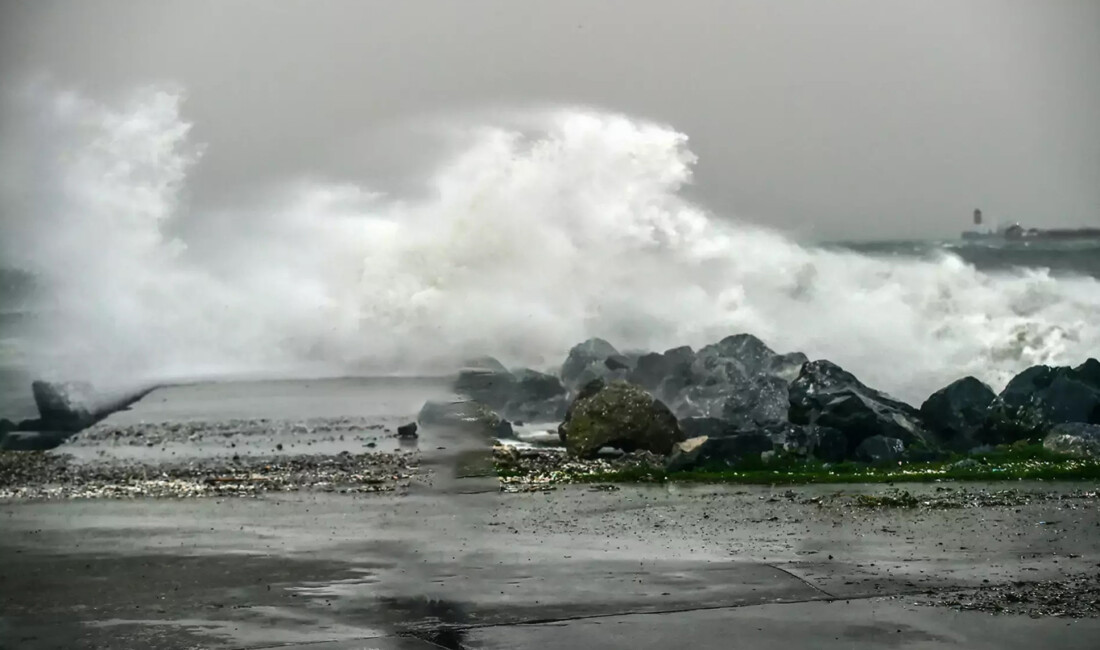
x=456 y=564
x=573 y=568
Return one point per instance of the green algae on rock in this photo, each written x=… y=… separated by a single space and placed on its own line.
x=620 y=415
x=1005 y=463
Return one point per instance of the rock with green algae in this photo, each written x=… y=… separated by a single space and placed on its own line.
x=620 y=415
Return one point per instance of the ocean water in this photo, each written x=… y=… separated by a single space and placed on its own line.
x=540 y=230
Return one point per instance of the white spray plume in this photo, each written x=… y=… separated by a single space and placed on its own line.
x=533 y=237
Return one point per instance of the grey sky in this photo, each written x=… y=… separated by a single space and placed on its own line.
x=830 y=119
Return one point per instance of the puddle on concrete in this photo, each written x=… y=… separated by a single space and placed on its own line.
x=256 y=626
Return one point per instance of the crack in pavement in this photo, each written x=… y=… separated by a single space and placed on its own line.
x=804 y=581
x=421 y=635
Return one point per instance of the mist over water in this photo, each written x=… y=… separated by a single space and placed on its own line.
x=546 y=228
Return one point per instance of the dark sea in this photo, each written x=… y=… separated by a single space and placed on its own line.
x=1057 y=258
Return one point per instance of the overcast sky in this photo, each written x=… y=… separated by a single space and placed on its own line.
x=864 y=118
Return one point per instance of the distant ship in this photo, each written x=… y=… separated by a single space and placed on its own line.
x=1016 y=233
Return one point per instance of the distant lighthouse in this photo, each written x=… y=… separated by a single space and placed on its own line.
x=977 y=217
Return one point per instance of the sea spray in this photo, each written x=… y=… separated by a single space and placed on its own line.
x=543 y=230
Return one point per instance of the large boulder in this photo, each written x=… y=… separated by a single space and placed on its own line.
x=620 y=415
x=825 y=394
x=957 y=413
x=588 y=361
x=1074 y=439
x=805 y=441
x=762 y=400
x=1056 y=394
x=1041 y=397
x=828 y=444
x=795 y=440
x=652 y=369
x=537 y=397
x=738 y=379
x=745 y=402
x=677 y=373
x=69 y=407
x=880 y=449
x=467 y=415
x=64 y=406
x=732 y=359
x=701 y=401
x=494 y=388
x=718 y=453
x=785 y=366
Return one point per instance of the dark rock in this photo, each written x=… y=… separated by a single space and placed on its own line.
x=649 y=371
x=828 y=444
x=785 y=366
x=486 y=363
x=30 y=425
x=795 y=440
x=32 y=440
x=534 y=386
x=537 y=397
x=706 y=427
x=706 y=401
x=826 y=395
x=407 y=430
x=665 y=374
x=64 y=406
x=466 y=415
x=716 y=453
x=739 y=379
x=6 y=425
x=744 y=402
x=1074 y=439
x=1058 y=394
x=925 y=455
x=734 y=356
x=957 y=413
x=731 y=360
x=586 y=362
x=618 y=362
x=620 y=415
x=880 y=449
x=1043 y=396
x=545 y=412
x=492 y=388
x=74 y=406
x=790 y=439
x=762 y=400
x=679 y=357
x=599 y=371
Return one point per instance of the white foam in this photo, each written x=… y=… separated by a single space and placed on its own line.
x=543 y=231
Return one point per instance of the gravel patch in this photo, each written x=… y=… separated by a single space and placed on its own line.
x=950 y=498
x=151 y=434
x=1071 y=597
x=38 y=475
